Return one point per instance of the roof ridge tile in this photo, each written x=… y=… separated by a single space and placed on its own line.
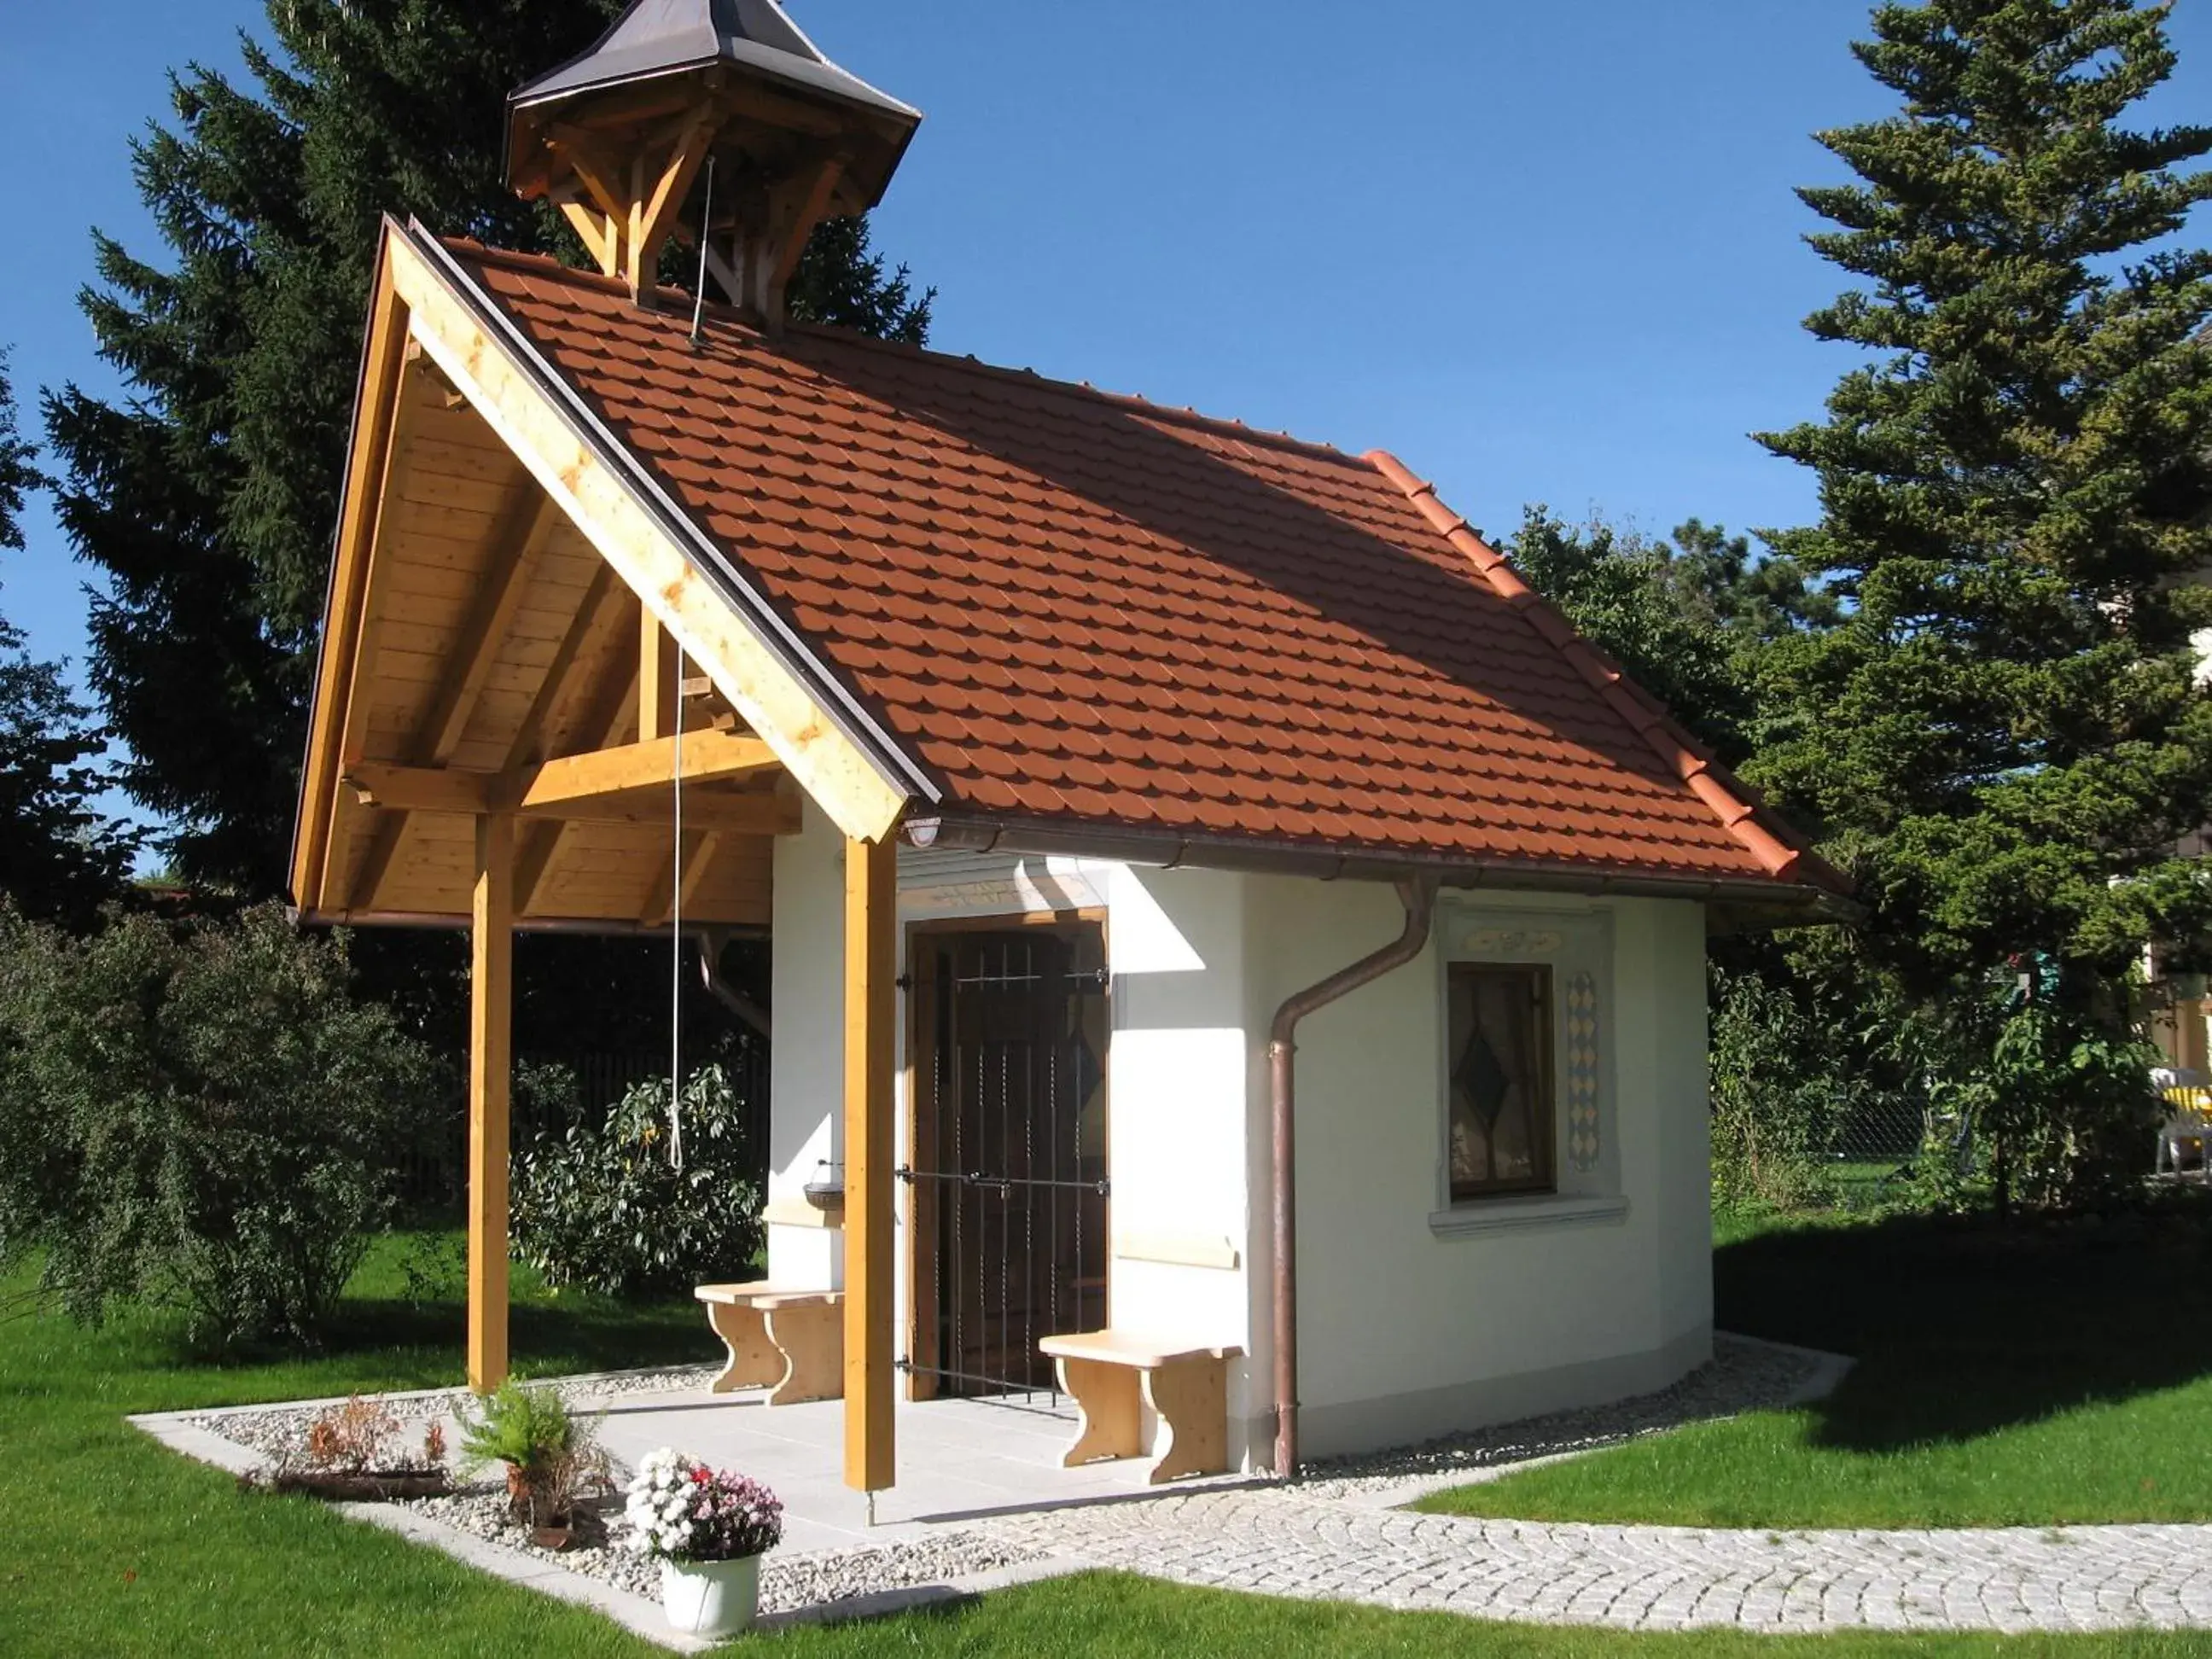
x=1779 y=851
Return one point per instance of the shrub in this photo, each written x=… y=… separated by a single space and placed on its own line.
x=196 y=1116
x=606 y=1208
x=1777 y=1098
x=553 y=1457
x=2066 y=1111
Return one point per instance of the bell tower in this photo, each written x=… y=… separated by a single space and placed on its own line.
x=704 y=118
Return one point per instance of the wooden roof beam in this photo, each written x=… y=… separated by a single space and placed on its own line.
x=629 y=783
x=707 y=756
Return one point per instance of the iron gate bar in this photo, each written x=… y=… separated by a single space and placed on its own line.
x=1102 y=1187
x=1011 y=1030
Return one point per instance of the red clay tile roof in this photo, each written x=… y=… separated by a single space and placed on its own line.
x=1075 y=608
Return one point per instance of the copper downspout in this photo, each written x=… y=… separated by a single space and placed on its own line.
x=1419 y=895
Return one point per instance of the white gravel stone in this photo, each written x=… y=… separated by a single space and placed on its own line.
x=788 y=1581
x=273 y=1430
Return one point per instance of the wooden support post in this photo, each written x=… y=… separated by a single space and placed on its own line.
x=657 y=701
x=870 y=966
x=490 y=1014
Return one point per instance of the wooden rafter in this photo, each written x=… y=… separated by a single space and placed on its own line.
x=813 y=206
x=516 y=547
x=591 y=612
x=599 y=726
x=857 y=789
x=700 y=847
x=582 y=152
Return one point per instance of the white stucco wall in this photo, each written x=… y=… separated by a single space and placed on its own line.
x=1408 y=1328
x=806 y=1062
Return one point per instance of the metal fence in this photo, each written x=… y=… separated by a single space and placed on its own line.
x=1887 y=1131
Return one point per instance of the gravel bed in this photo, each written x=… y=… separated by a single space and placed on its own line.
x=279 y=1429
x=1743 y=1376
x=786 y=1581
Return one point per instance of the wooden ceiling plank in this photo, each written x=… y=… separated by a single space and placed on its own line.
x=506 y=577
x=590 y=612
x=699 y=847
x=539 y=855
x=521 y=537
x=602 y=720
x=377 y=596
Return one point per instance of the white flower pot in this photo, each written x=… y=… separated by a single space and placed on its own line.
x=711 y=1598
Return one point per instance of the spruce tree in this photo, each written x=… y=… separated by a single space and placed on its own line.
x=59 y=857
x=2003 y=735
x=206 y=498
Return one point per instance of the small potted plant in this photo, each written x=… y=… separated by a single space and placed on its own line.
x=552 y=1458
x=708 y=1528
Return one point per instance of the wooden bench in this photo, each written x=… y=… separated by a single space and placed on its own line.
x=1109 y=1374
x=791 y=1342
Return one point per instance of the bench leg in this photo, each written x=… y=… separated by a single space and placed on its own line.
x=811 y=1345
x=1106 y=1395
x=1192 y=1401
x=754 y=1362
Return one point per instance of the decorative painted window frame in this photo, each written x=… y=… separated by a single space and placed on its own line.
x=1577 y=947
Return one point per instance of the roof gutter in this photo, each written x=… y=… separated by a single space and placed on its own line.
x=840 y=701
x=1254 y=855
x=301 y=915
x=1419 y=895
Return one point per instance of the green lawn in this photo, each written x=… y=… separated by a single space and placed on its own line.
x=2006 y=1377
x=114 y=1546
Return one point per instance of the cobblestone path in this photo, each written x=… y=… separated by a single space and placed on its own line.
x=2101 y=1577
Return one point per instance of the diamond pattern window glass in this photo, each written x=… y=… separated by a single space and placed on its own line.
x=1500 y=1058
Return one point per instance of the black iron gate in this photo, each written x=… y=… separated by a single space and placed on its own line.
x=1008 y=1176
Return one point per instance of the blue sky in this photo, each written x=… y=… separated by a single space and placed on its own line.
x=1541 y=253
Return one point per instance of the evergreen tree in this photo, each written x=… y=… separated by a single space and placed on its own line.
x=207 y=499
x=58 y=857
x=1756 y=599
x=2003 y=734
x=1632 y=599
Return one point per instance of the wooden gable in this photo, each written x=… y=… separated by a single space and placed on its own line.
x=502 y=637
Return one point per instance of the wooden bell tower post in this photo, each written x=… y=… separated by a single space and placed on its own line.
x=683 y=101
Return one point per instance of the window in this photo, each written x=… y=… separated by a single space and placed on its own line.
x=1500 y=1036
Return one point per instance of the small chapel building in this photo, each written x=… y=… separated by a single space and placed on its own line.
x=1211 y=898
